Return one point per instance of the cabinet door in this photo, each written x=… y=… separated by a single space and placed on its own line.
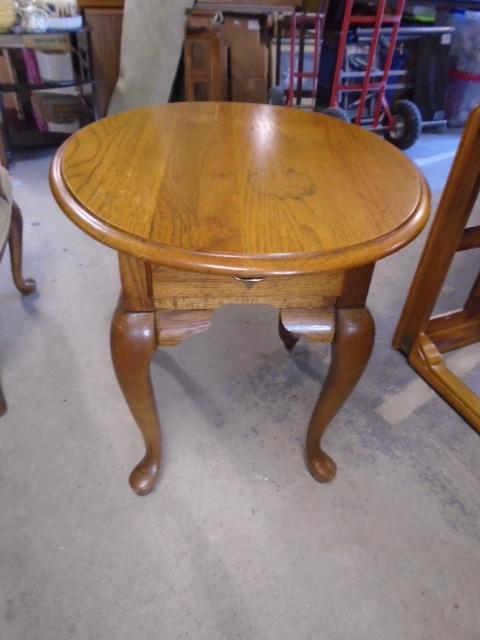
x=106 y=35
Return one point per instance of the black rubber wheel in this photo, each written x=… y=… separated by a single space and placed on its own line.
x=336 y=112
x=408 y=124
x=276 y=96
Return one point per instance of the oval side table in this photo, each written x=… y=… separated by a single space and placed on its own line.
x=209 y=204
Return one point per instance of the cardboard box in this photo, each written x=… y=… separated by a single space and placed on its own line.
x=61 y=111
x=249 y=62
x=242 y=31
x=47 y=41
x=249 y=90
x=55 y=66
x=248 y=55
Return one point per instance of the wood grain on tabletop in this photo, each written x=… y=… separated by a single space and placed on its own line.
x=240 y=189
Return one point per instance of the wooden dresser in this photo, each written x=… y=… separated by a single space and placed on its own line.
x=104 y=17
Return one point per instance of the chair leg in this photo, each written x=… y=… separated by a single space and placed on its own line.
x=3 y=404
x=25 y=286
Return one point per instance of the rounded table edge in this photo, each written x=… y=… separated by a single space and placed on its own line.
x=237 y=265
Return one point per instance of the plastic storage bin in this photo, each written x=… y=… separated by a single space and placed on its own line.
x=463 y=89
x=463 y=93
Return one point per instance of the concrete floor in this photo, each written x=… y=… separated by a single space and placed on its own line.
x=238 y=541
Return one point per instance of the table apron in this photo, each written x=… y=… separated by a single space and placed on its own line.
x=174 y=289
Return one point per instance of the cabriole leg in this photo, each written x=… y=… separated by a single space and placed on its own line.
x=25 y=286
x=3 y=404
x=351 y=349
x=133 y=344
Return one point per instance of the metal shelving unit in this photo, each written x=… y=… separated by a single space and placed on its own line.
x=22 y=133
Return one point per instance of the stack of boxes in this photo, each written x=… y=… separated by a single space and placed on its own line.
x=246 y=41
x=245 y=30
x=249 y=59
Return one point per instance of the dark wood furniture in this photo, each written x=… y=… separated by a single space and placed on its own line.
x=205 y=64
x=104 y=18
x=420 y=337
x=214 y=203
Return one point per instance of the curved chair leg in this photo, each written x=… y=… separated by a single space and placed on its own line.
x=351 y=349
x=25 y=286
x=3 y=404
x=133 y=344
x=288 y=338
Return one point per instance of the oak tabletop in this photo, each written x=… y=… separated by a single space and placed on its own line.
x=240 y=188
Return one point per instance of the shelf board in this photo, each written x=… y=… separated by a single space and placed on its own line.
x=101 y=4
x=25 y=87
x=23 y=139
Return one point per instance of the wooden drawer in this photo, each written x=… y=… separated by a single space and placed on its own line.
x=173 y=289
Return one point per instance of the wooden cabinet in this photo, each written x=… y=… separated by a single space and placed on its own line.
x=104 y=18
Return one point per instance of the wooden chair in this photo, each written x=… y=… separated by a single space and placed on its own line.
x=11 y=225
x=420 y=337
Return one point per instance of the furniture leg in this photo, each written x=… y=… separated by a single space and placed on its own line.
x=25 y=286
x=133 y=344
x=351 y=349
x=3 y=404
x=288 y=338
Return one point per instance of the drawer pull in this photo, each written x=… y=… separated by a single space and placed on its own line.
x=249 y=282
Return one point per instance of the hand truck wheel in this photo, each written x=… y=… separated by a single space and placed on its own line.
x=276 y=96
x=408 y=124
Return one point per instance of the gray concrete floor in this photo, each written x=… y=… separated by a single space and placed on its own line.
x=238 y=541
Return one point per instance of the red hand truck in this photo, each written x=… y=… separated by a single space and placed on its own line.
x=305 y=34
x=401 y=124
x=299 y=24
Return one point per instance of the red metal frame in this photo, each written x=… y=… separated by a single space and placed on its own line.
x=376 y=22
x=299 y=23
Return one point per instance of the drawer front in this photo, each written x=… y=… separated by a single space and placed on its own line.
x=173 y=289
